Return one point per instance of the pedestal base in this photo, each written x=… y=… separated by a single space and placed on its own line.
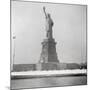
x=48 y=54
x=48 y=66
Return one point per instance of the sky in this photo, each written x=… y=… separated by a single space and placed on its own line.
x=28 y=25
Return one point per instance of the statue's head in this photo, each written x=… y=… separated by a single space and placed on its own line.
x=48 y=15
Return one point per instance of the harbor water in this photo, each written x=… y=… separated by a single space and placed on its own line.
x=48 y=82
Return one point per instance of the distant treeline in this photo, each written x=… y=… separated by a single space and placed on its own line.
x=61 y=66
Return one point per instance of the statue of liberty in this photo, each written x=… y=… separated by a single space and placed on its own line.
x=49 y=24
x=48 y=58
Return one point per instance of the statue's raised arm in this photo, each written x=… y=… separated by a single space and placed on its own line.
x=49 y=23
x=45 y=12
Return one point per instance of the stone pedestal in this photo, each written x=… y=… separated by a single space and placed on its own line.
x=48 y=59
x=48 y=53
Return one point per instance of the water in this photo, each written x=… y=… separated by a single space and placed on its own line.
x=48 y=82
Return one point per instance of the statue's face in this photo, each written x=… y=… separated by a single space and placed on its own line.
x=48 y=15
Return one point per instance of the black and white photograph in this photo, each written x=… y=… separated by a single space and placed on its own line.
x=48 y=44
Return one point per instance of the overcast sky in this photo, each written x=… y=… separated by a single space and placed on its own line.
x=69 y=31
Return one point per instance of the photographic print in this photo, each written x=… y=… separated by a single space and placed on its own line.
x=48 y=44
